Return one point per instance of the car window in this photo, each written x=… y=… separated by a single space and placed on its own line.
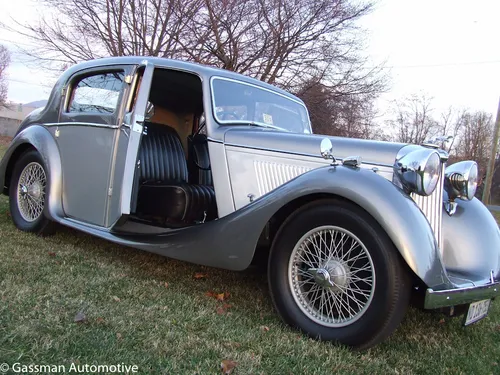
x=97 y=93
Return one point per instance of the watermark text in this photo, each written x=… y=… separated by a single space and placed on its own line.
x=35 y=368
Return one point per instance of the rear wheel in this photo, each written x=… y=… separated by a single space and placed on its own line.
x=335 y=274
x=27 y=193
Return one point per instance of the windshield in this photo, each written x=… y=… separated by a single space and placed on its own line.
x=242 y=103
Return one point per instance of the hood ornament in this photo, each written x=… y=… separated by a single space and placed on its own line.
x=438 y=141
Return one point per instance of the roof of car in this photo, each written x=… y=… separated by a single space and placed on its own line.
x=201 y=70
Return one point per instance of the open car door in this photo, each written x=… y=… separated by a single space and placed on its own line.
x=123 y=189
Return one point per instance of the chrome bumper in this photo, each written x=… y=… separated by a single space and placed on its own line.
x=435 y=299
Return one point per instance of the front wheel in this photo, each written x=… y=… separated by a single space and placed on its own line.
x=27 y=191
x=335 y=274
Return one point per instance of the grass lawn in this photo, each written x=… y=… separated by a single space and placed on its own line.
x=146 y=310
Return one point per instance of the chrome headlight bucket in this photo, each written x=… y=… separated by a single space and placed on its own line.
x=461 y=180
x=418 y=171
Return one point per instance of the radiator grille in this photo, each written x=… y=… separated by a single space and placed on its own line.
x=272 y=175
x=432 y=207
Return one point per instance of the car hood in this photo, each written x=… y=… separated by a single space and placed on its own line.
x=373 y=152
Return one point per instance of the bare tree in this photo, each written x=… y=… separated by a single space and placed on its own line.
x=4 y=63
x=450 y=124
x=284 y=42
x=413 y=119
x=337 y=114
x=475 y=140
x=71 y=31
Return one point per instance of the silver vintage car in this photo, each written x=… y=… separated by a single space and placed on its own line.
x=215 y=168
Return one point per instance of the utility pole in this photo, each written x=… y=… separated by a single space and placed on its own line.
x=491 y=164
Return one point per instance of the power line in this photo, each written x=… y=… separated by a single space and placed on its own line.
x=27 y=83
x=443 y=64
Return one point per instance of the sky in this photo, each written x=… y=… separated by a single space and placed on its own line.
x=447 y=50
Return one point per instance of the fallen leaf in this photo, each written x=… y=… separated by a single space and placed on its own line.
x=441 y=321
x=80 y=317
x=227 y=366
x=200 y=275
x=116 y=299
x=221 y=310
x=227 y=305
x=118 y=336
x=52 y=254
x=210 y=294
x=264 y=328
x=220 y=297
x=166 y=284
x=100 y=320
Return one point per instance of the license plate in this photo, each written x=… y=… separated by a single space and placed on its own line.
x=477 y=311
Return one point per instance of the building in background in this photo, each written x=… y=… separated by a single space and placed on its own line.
x=11 y=117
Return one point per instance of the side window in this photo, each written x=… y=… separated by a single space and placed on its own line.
x=97 y=93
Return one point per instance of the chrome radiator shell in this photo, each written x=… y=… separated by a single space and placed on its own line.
x=432 y=207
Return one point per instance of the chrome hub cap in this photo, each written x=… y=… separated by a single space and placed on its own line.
x=31 y=192
x=331 y=275
x=335 y=275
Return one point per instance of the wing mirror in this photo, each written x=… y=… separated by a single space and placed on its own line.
x=326 y=149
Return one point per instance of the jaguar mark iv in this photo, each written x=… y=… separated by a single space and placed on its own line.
x=219 y=169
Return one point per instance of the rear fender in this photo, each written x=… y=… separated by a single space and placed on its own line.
x=42 y=140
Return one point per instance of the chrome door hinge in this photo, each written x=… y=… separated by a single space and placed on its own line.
x=128 y=79
x=110 y=191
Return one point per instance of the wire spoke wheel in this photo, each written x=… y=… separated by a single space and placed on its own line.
x=31 y=191
x=331 y=276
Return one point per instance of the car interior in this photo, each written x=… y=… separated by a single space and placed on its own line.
x=174 y=184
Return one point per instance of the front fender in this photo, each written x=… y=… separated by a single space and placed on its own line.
x=395 y=211
x=471 y=242
x=42 y=140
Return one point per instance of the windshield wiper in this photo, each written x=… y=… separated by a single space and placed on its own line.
x=262 y=125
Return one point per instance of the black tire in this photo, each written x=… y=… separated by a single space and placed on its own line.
x=390 y=290
x=40 y=224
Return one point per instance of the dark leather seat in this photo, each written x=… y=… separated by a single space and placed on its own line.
x=164 y=189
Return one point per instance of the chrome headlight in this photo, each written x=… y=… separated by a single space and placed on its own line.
x=461 y=180
x=419 y=170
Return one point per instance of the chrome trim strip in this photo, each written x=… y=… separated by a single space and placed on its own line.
x=432 y=207
x=441 y=298
x=228 y=171
x=299 y=153
x=90 y=124
x=81 y=225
